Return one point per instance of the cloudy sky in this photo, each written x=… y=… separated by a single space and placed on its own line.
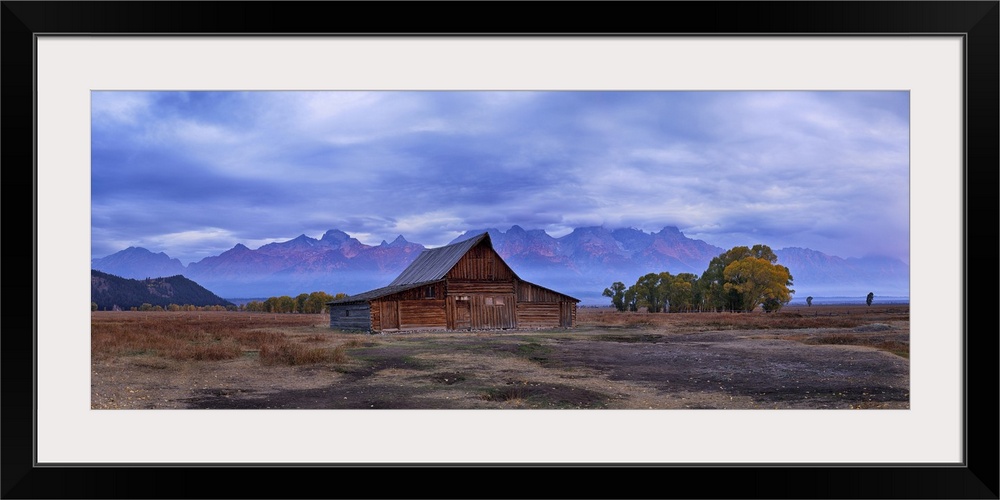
x=192 y=174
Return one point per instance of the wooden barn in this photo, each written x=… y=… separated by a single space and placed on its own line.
x=462 y=286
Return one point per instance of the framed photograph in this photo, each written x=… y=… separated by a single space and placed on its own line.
x=939 y=58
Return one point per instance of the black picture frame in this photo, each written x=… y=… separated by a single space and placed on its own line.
x=976 y=21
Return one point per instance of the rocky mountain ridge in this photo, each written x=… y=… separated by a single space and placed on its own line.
x=581 y=263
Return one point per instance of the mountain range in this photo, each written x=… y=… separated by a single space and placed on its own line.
x=581 y=263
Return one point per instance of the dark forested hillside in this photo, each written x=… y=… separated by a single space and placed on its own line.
x=109 y=291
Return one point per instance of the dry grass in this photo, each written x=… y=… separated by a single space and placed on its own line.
x=896 y=346
x=239 y=360
x=291 y=339
x=204 y=336
x=791 y=317
x=287 y=353
x=896 y=343
x=862 y=320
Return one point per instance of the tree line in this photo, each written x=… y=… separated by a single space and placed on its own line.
x=306 y=303
x=740 y=279
x=147 y=307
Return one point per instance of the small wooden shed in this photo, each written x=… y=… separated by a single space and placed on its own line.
x=462 y=286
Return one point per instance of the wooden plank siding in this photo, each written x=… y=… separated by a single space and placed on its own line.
x=481 y=263
x=376 y=314
x=426 y=292
x=388 y=314
x=492 y=312
x=539 y=307
x=463 y=305
x=458 y=313
x=421 y=307
x=546 y=314
x=537 y=314
x=567 y=314
x=350 y=317
x=422 y=314
x=529 y=292
x=480 y=287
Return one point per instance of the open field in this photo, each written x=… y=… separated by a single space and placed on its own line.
x=818 y=357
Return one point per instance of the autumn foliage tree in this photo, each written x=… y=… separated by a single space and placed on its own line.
x=758 y=282
x=755 y=277
x=315 y=303
x=682 y=291
x=307 y=303
x=740 y=279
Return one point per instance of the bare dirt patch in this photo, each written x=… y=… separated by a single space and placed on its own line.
x=820 y=357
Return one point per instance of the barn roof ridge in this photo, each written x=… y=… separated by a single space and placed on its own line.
x=431 y=266
x=434 y=263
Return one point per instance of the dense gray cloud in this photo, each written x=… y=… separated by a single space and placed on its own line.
x=193 y=173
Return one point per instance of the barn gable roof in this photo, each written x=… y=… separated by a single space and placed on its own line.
x=429 y=267
x=434 y=263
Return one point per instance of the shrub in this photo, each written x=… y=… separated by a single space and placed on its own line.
x=287 y=353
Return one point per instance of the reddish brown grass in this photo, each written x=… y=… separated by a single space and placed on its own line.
x=895 y=343
x=287 y=353
x=220 y=335
x=896 y=346
x=204 y=336
x=788 y=318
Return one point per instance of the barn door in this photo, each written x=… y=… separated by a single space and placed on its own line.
x=463 y=313
x=493 y=312
x=390 y=315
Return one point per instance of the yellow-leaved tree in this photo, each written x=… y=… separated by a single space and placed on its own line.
x=759 y=282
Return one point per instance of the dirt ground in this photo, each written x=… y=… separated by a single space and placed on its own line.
x=682 y=361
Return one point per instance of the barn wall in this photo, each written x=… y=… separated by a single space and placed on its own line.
x=480 y=287
x=492 y=311
x=567 y=313
x=408 y=314
x=350 y=316
x=481 y=305
x=416 y=308
x=537 y=314
x=539 y=307
x=479 y=292
x=481 y=263
x=432 y=291
x=376 y=314
x=419 y=314
x=528 y=292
